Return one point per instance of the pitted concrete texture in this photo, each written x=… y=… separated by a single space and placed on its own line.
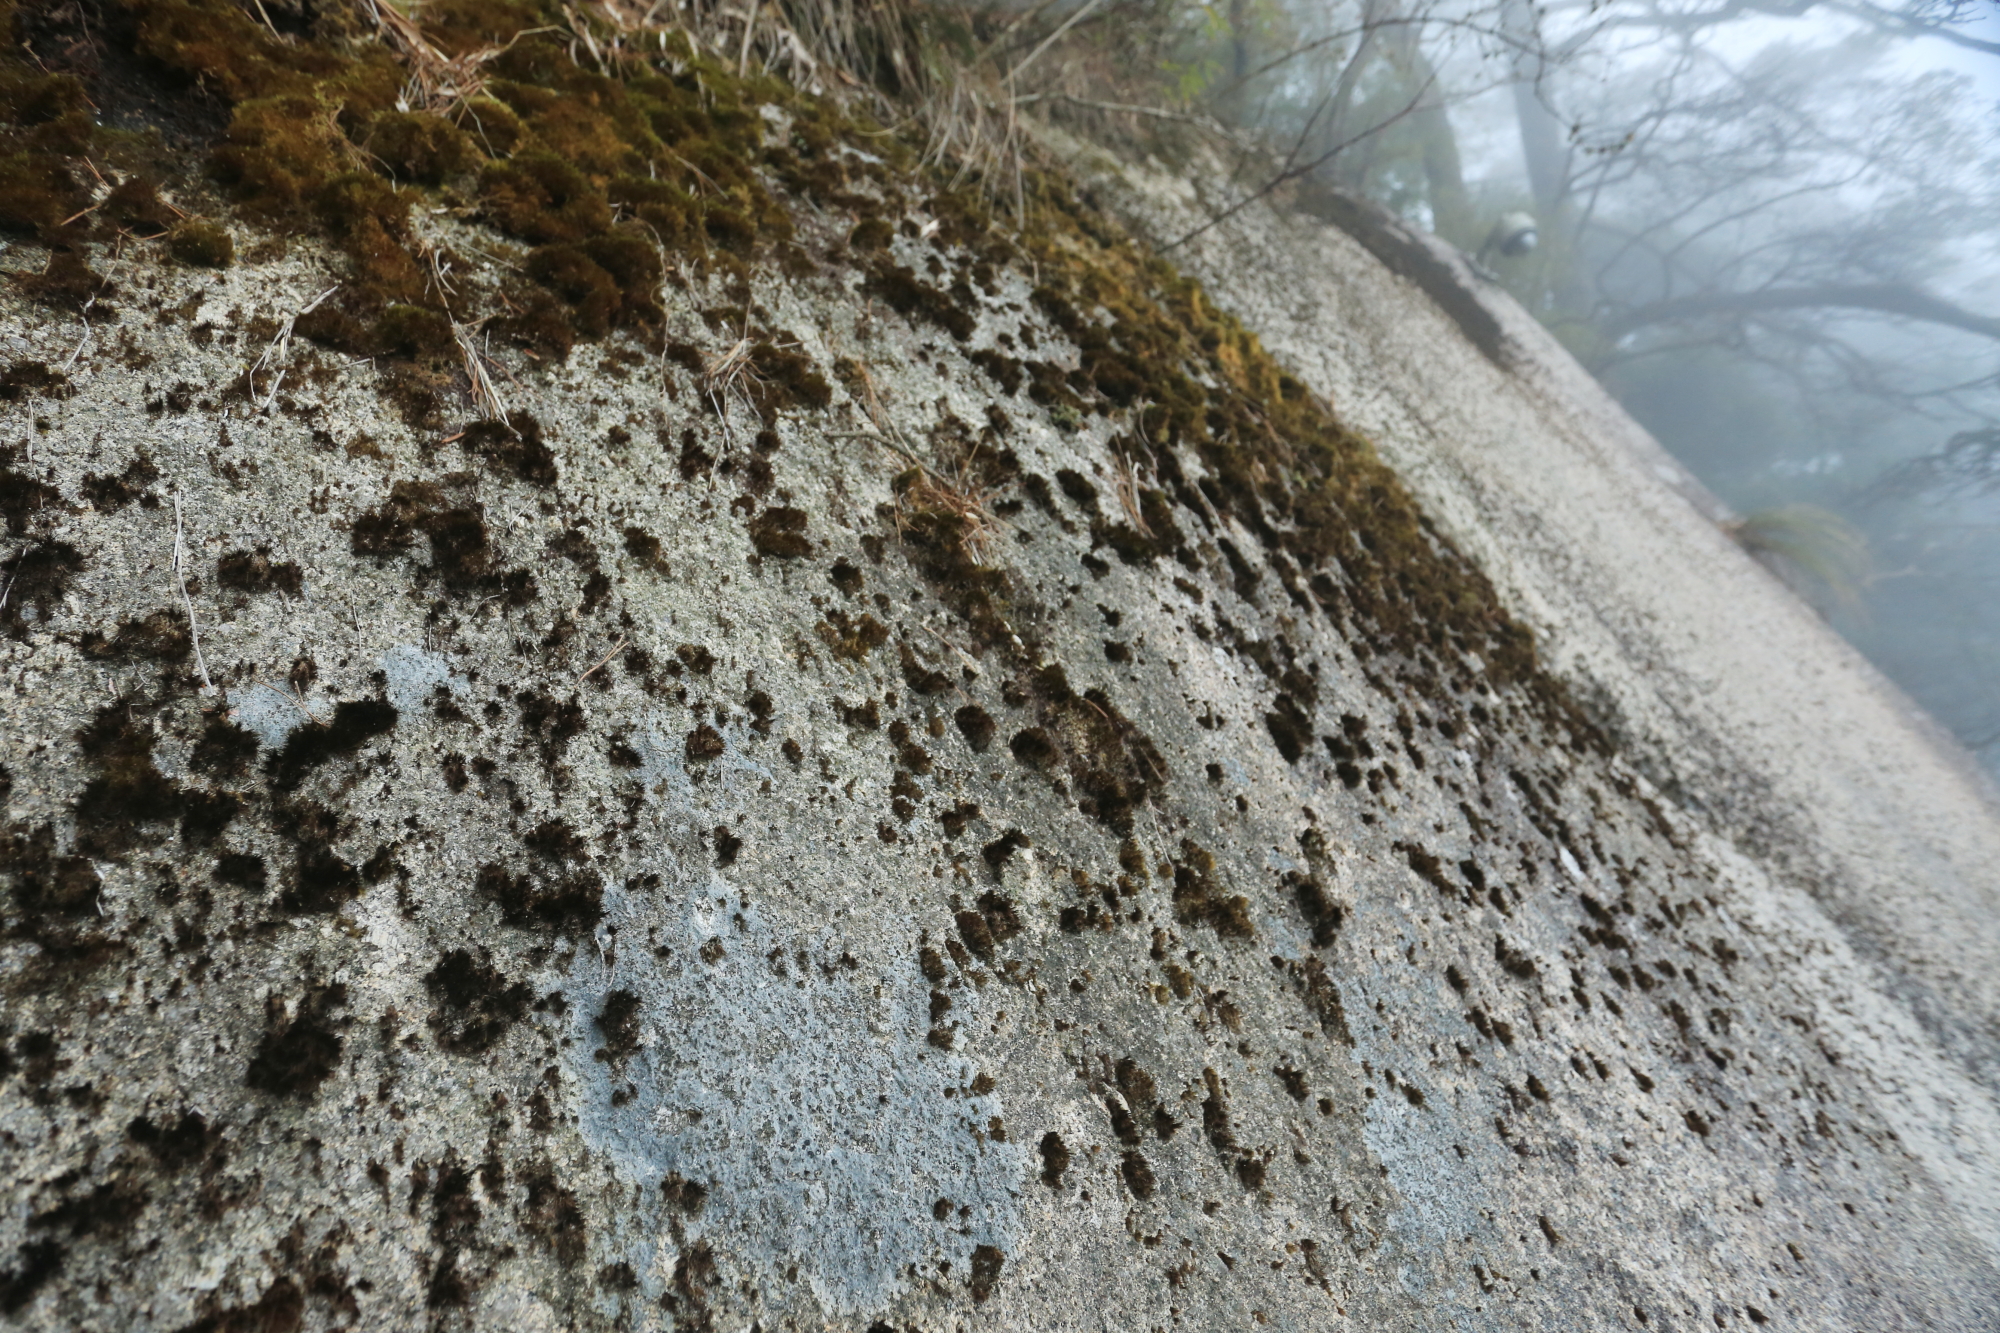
x=634 y=895
x=1879 y=834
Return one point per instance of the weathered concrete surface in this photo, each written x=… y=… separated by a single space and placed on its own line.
x=1878 y=835
x=630 y=954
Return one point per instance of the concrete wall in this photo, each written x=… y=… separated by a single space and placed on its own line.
x=451 y=963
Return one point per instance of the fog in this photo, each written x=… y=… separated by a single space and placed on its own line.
x=1771 y=230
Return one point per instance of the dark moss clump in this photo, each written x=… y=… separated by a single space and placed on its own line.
x=202 y=244
x=33 y=379
x=987 y=1260
x=909 y=295
x=176 y=1143
x=54 y=900
x=224 y=750
x=255 y=572
x=110 y=492
x=573 y=904
x=39 y=577
x=780 y=531
x=161 y=636
x=476 y=1003
x=301 y=1046
x=703 y=744
x=849 y=638
x=976 y=725
x=461 y=552
x=69 y=282
x=1055 y=1159
x=919 y=677
x=355 y=722
x=129 y=791
x=619 y=1022
x=321 y=881
x=513 y=446
x=1200 y=900
x=1323 y=916
x=421 y=148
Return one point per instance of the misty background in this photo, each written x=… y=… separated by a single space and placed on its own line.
x=1770 y=227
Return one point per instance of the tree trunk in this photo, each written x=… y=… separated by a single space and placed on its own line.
x=1444 y=176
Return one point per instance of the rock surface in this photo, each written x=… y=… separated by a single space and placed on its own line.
x=990 y=836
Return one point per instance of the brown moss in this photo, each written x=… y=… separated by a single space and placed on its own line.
x=539 y=197
x=301 y=1047
x=420 y=148
x=1199 y=899
x=780 y=531
x=475 y=1002
x=161 y=636
x=67 y=280
x=31 y=379
x=513 y=446
x=255 y=572
x=38 y=577
x=408 y=330
x=904 y=292
x=202 y=244
x=573 y=903
x=354 y=723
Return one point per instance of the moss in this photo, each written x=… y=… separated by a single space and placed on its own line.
x=780 y=531
x=514 y=446
x=202 y=244
x=904 y=292
x=409 y=330
x=301 y=1047
x=871 y=234
x=68 y=281
x=135 y=204
x=1200 y=900
x=539 y=197
x=573 y=903
x=849 y=639
x=420 y=148
x=162 y=637
x=354 y=723
x=475 y=1003
x=38 y=191
x=129 y=791
x=789 y=376
x=30 y=379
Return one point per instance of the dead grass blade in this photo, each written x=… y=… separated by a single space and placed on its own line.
x=486 y=398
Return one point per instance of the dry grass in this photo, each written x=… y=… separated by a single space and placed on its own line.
x=437 y=82
x=731 y=375
x=957 y=493
x=1816 y=552
x=486 y=398
x=278 y=352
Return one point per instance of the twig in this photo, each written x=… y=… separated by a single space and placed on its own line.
x=749 y=30
x=84 y=342
x=1294 y=170
x=279 y=350
x=602 y=660
x=1051 y=39
x=969 y=659
x=180 y=577
x=8 y=587
x=1027 y=16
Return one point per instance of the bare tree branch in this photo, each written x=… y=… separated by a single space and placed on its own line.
x=1888 y=299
